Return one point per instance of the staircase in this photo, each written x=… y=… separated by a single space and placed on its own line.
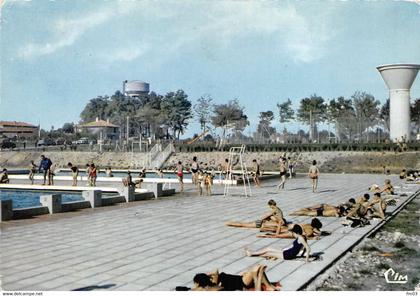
x=161 y=156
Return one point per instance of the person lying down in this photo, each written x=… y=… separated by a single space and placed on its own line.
x=326 y=210
x=298 y=249
x=274 y=219
x=310 y=231
x=253 y=279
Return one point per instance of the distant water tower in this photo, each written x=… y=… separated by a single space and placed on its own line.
x=135 y=88
x=399 y=78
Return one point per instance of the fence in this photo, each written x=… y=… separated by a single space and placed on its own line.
x=414 y=146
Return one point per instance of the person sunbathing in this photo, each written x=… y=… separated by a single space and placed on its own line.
x=273 y=219
x=388 y=188
x=254 y=278
x=326 y=210
x=310 y=231
x=413 y=176
x=299 y=247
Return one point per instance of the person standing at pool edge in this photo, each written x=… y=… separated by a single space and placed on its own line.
x=313 y=175
x=32 y=171
x=45 y=166
x=283 y=171
x=74 y=172
x=256 y=173
x=93 y=174
x=180 y=175
x=194 y=170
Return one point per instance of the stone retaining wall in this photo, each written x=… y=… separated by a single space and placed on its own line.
x=329 y=161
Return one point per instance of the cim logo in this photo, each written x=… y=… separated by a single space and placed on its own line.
x=393 y=277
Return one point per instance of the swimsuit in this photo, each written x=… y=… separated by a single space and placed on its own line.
x=194 y=167
x=231 y=282
x=292 y=252
x=258 y=223
x=320 y=211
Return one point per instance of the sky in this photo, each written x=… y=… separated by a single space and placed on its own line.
x=57 y=55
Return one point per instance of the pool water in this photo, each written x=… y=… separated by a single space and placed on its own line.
x=25 y=198
x=123 y=175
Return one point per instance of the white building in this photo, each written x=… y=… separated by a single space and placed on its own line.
x=109 y=131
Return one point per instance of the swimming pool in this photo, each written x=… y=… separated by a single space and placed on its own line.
x=27 y=198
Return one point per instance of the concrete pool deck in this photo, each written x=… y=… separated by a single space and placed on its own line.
x=160 y=244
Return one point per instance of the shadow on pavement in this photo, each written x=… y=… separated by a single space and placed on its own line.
x=91 y=288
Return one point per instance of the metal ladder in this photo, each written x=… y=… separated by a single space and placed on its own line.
x=238 y=152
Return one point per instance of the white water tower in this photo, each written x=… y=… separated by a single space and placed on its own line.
x=135 y=88
x=399 y=78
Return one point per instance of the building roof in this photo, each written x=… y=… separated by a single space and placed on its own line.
x=16 y=124
x=98 y=123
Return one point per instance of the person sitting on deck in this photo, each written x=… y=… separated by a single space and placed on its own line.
x=310 y=231
x=253 y=279
x=388 y=188
x=4 y=177
x=300 y=247
x=377 y=207
x=138 y=183
x=360 y=207
x=326 y=210
x=356 y=217
x=273 y=219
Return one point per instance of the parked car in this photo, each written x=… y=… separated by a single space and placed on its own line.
x=82 y=141
x=46 y=142
x=7 y=144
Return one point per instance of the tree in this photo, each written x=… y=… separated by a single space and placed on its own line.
x=366 y=111
x=95 y=108
x=203 y=110
x=311 y=111
x=229 y=116
x=286 y=113
x=177 y=111
x=341 y=113
x=415 y=114
x=120 y=107
x=264 y=127
x=384 y=115
x=68 y=128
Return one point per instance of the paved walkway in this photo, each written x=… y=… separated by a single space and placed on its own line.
x=160 y=244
